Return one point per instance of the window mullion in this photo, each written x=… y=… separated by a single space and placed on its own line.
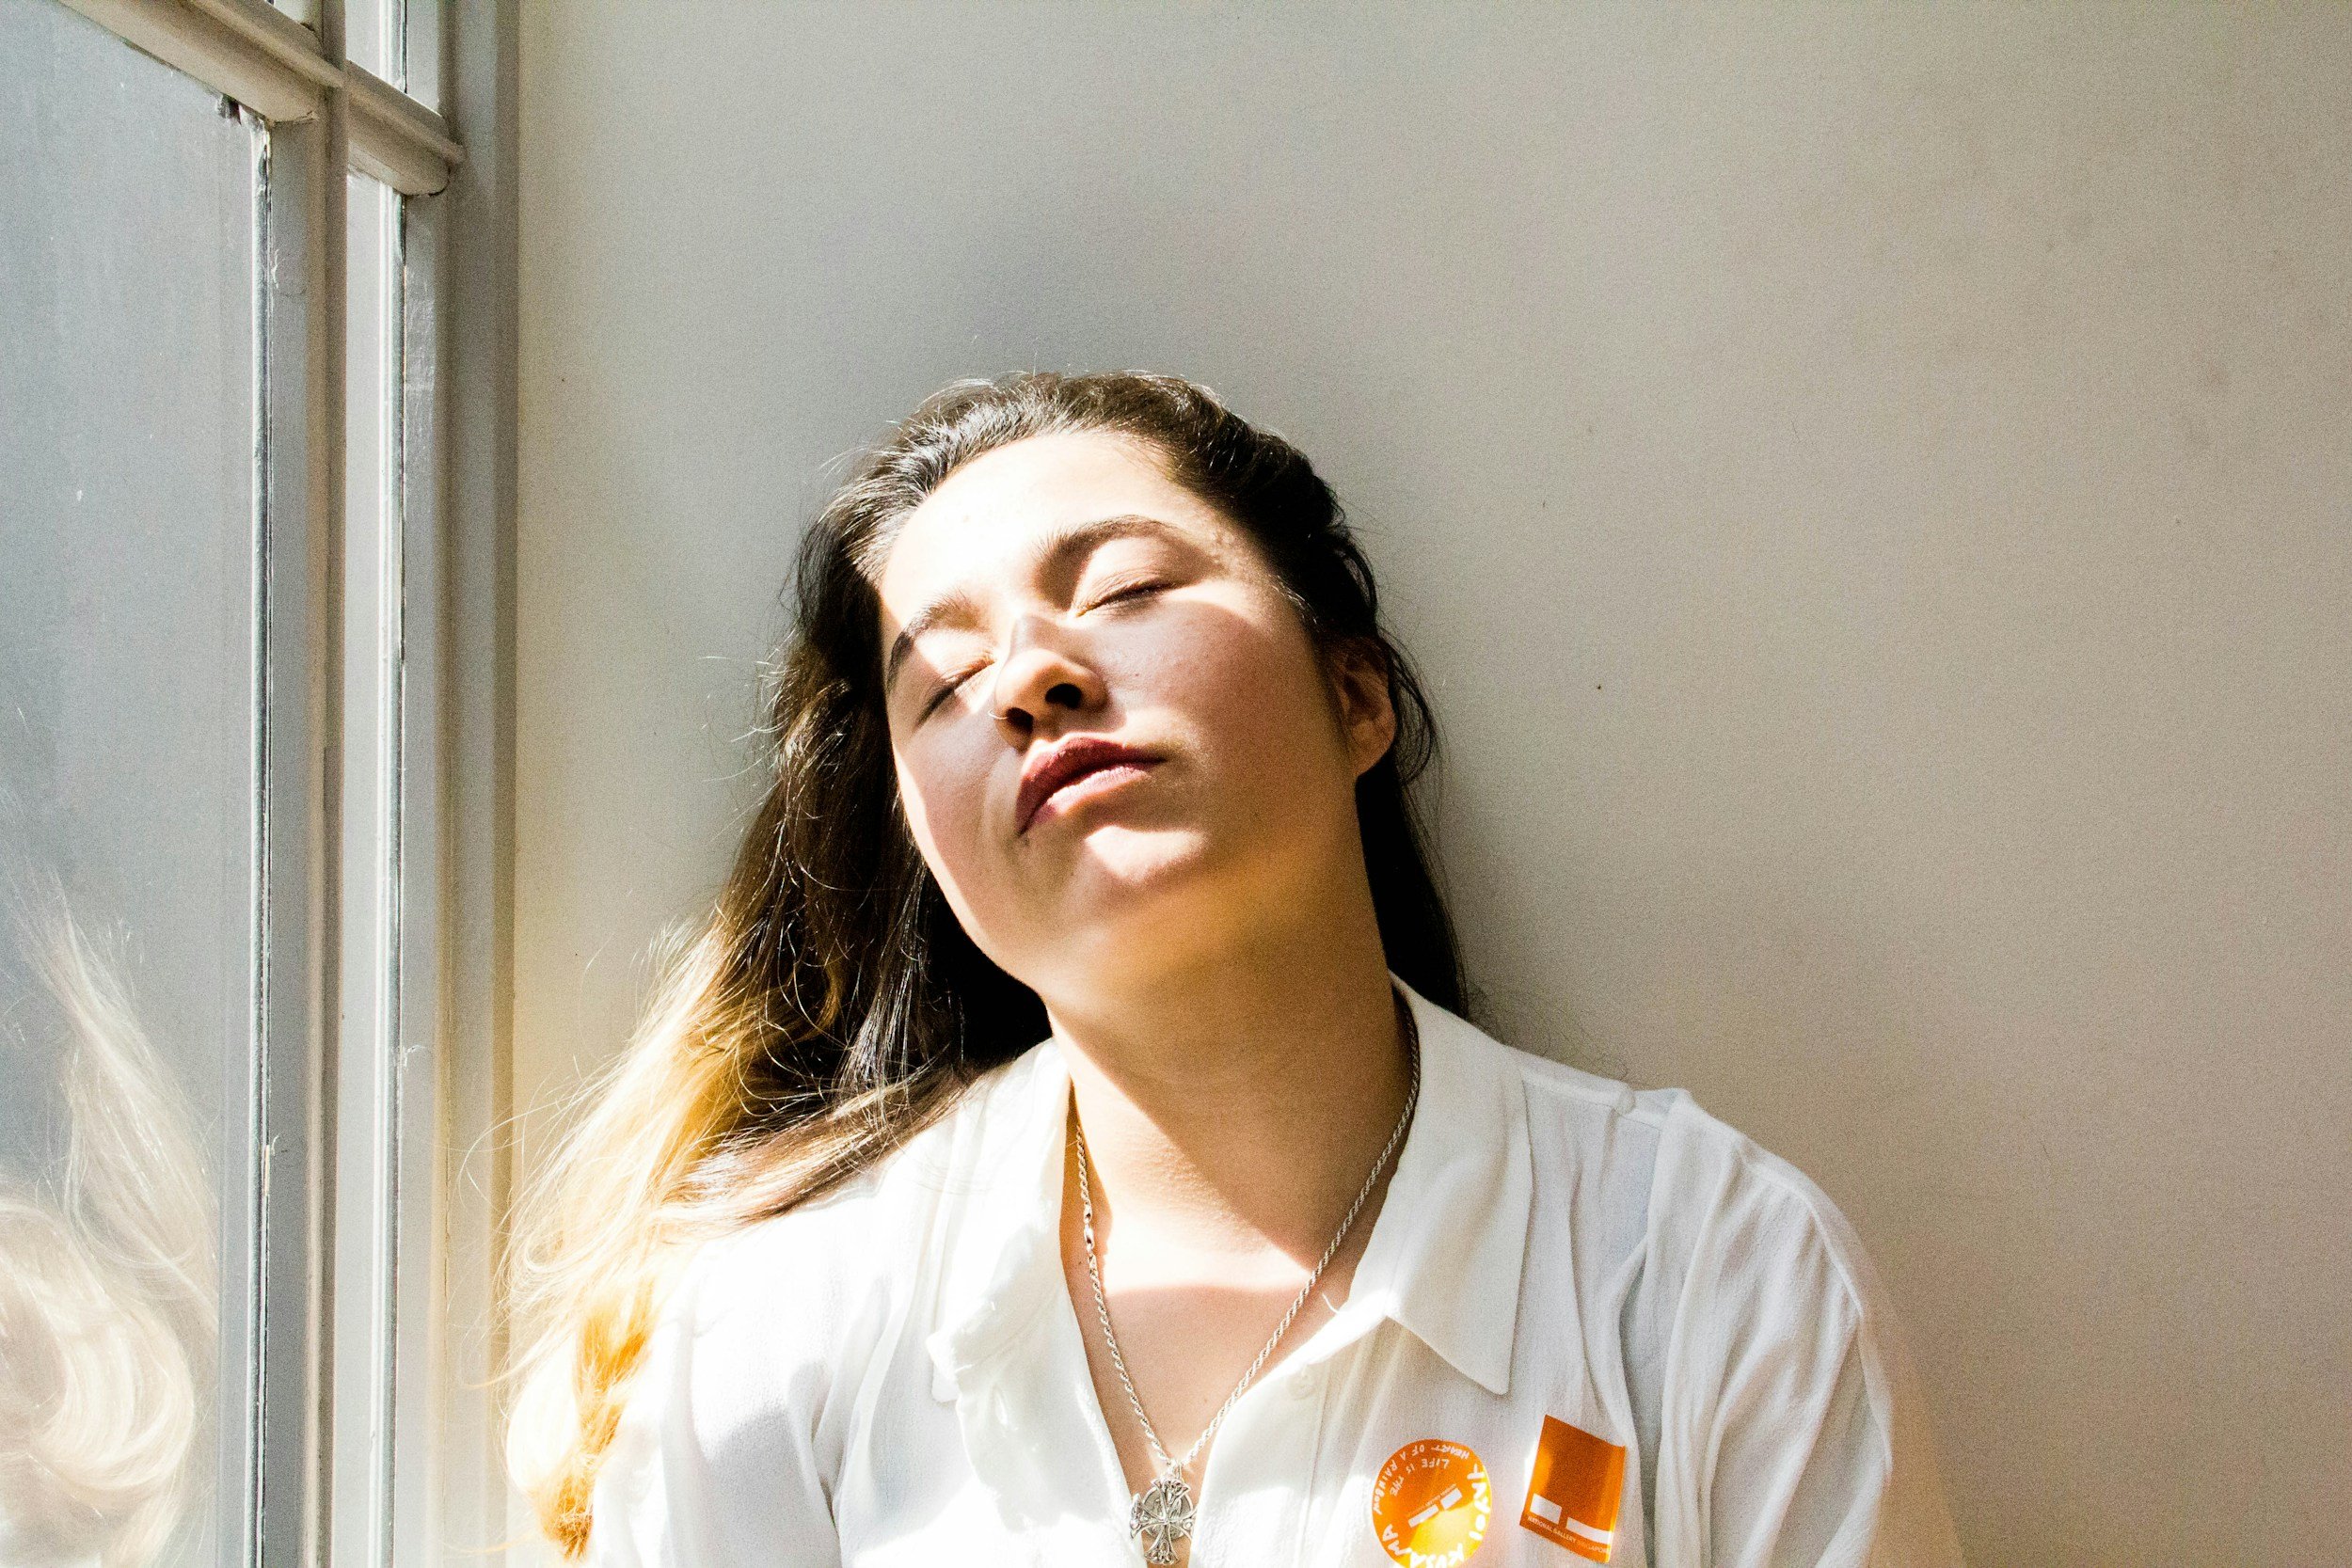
x=302 y=417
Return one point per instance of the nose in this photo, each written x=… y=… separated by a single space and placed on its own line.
x=1039 y=685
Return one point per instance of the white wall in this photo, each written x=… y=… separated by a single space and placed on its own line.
x=1870 y=488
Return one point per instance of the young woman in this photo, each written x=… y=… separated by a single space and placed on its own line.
x=1066 y=1144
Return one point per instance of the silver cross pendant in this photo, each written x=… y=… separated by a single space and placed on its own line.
x=1161 y=1515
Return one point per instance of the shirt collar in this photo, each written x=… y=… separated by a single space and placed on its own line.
x=1446 y=1251
x=1444 y=1259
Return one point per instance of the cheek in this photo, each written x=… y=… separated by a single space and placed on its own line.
x=1255 y=692
x=942 y=791
x=926 y=803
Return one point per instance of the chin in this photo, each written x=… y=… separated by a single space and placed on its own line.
x=1135 y=897
x=1115 y=860
x=1124 y=884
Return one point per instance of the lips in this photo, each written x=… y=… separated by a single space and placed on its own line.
x=1067 y=762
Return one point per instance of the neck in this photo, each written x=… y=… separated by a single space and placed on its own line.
x=1234 y=1105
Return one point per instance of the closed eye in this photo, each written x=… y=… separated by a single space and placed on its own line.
x=946 y=691
x=1128 y=591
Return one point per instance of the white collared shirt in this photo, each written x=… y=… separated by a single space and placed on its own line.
x=1589 y=1325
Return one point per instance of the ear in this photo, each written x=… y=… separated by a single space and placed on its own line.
x=1359 y=685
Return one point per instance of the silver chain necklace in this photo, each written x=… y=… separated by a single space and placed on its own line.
x=1162 y=1512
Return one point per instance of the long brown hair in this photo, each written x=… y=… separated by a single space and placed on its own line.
x=831 y=1005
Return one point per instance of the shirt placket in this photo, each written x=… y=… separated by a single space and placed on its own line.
x=1261 y=1469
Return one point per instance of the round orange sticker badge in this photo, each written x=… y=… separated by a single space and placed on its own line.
x=1432 y=1503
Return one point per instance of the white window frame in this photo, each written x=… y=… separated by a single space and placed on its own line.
x=382 y=1089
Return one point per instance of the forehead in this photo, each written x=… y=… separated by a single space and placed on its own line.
x=988 y=516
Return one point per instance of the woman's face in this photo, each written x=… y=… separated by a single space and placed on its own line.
x=1064 y=589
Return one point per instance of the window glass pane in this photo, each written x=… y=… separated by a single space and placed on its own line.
x=421 y=51
x=128 y=799
x=371 y=38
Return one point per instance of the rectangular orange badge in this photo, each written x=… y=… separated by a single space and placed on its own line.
x=1572 y=1497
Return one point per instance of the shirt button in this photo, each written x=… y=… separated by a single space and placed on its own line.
x=1302 y=1382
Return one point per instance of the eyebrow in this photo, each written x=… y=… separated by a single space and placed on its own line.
x=961 y=607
